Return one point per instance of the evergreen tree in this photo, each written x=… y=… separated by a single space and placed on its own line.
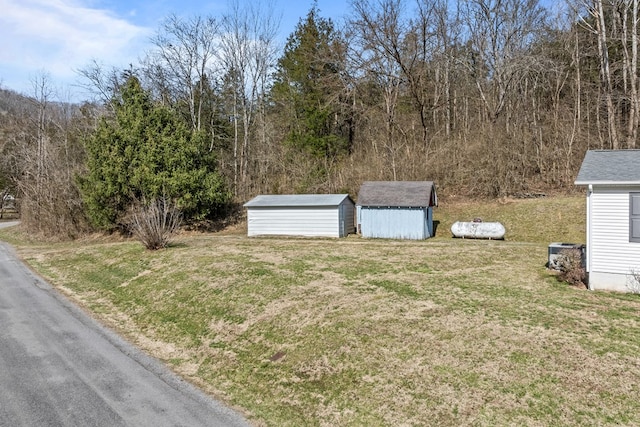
x=146 y=152
x=307 y=87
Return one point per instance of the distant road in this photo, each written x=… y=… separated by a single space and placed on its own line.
x=59 y=367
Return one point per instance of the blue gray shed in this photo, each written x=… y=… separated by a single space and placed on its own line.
x=311 y=215
x=396 y=209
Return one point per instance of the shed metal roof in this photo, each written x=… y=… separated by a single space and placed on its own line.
x=296 y=200
x=617 y=167
x=397 y=194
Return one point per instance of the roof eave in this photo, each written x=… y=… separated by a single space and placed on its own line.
x=393 y=206
x=607 y=182
x=266 y=201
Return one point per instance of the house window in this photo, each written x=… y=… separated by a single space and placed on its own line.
x=634 y=217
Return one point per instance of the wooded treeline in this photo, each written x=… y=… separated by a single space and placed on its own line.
x=487 y=98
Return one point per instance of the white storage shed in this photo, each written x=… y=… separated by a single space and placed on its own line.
x=612 y=178
x=396 y=209
x=309 y=215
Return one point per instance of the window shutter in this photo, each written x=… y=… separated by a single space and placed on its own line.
x=634 y=217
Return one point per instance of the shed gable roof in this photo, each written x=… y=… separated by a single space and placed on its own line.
x=610 y=167
x=297 y=200
x=397 y=194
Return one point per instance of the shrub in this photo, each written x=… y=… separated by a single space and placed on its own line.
x=633 y=281
x=154 y=223
x=571 y=269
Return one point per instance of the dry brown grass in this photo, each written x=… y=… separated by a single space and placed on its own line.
x=369 y=332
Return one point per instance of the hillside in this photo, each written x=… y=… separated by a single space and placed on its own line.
x=372 y=332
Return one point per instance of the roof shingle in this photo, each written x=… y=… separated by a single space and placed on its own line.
x=610 y=167
x=397 y=194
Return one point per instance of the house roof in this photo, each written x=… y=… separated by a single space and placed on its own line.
x=617 y=167
x=397 y=194
x=296 y=200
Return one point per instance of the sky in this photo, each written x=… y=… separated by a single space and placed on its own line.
x=56 y=38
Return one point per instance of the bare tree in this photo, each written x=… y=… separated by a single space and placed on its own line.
x=46 y=149
x=183 y=62
x=42 y=92
x=598 y=27
x=404 y=42
x=379 y=67
x=635 y=98
x=628 y=11
x=500 y=34
x=101 y=82
x=248 y=54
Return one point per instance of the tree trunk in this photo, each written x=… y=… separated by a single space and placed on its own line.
x=633 y=76
x=605 y=72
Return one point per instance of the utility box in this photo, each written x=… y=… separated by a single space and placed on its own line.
x=556 y=249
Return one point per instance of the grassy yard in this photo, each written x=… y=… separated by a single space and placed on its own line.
x=371 y=332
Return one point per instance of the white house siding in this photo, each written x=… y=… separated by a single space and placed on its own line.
x=293 y=221
x=394 y=223
x=611 y=255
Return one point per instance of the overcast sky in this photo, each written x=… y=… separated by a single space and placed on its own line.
x=58 y=37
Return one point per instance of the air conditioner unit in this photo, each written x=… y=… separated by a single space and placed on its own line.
x=556 y=248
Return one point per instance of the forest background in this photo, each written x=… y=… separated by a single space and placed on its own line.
x=488 y=98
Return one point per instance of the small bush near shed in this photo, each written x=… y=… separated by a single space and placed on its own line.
x=153 y=223
x=571 y=269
